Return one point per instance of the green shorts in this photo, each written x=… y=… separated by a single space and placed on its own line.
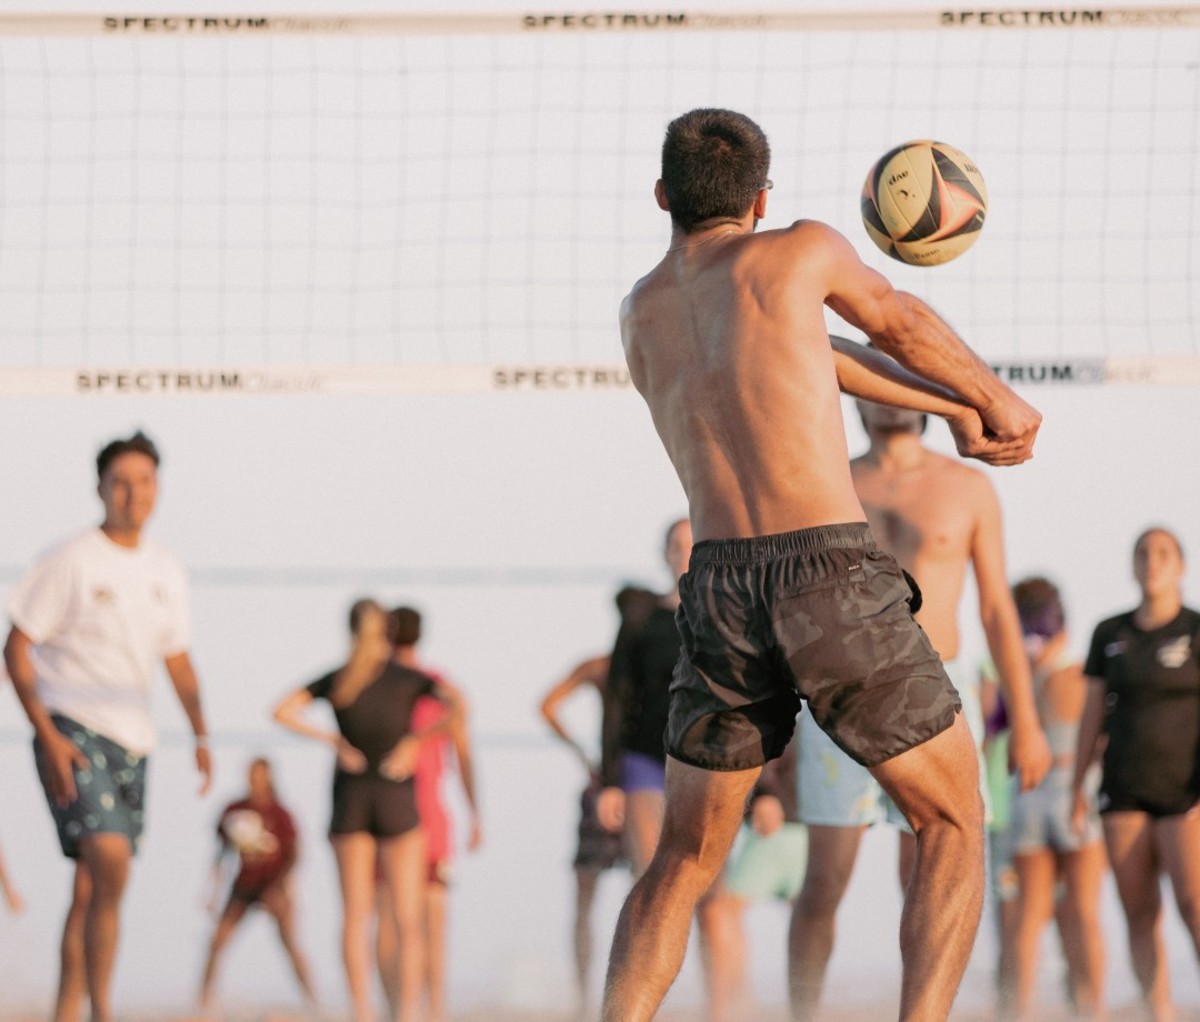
x=763 y=868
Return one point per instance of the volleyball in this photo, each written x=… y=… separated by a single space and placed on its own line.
x=924 y=202
x=244 y=830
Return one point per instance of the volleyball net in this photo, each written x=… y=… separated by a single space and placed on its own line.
x=456 y=203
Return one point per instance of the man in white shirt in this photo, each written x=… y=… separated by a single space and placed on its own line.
x=89 y=623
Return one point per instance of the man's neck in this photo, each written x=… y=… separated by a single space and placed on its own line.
x=897 y=453
x=1159 y=610
x=405 y=656
x=126 y=537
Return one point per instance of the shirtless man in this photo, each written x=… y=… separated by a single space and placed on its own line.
x=936 y=516
x=786 y=595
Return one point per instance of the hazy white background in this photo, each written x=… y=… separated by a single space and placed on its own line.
x=510 y=520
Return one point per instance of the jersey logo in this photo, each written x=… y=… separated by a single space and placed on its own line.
x=1175 y=653
x=1115 y=648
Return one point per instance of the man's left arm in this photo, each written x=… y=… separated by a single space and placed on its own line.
x=1029 y=754
x=187 y=688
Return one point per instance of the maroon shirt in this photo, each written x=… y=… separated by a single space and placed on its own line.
x=264 y=836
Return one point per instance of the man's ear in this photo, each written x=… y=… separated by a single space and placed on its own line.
x=760 y=204
x=660 y=196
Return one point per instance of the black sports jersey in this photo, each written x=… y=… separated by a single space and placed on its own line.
x=382 y=713
x=637 y=695
x=1151 y=714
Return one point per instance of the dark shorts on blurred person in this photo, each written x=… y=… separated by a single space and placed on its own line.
x=370 y=804
x=598 y=848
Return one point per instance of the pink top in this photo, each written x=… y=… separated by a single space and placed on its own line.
x=431 y=766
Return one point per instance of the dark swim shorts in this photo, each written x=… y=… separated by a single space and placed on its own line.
x=111 y=790
x=370 y=804
x=820 y=614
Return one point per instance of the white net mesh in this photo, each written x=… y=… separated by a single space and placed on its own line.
x=446 y=194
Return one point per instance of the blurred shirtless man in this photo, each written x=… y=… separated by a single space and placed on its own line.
x=787 y=596
x=936 y=516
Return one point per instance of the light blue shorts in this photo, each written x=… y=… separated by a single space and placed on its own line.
x=1042 y=818
x=834 y=791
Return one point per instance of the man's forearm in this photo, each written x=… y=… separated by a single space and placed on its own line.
x=873 y=376
x=920 y=340
x=187 y=689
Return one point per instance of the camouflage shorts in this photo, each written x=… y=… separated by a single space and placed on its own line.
x=821 y=615
x=111 y=790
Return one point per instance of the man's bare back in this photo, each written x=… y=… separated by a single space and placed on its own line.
x=726 y=341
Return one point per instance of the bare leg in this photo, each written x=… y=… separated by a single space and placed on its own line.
x=72 y=981
x=936 y=786
x=1131 y=851
x=1004 y=890
x=1036 y=875
x=107 y=857
x=435 y=950
x=356 y=872
x=405 y=870
x=643 y=823
x=233 y=913
x=703 y=813
x=585 y=893
x=1178 y=841
x=719 y=917
x=387 y=945
x=906 y=858
x=1083 y=941
x=277 y=900
x=832 y=852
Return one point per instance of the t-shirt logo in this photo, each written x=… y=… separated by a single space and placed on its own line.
x=1176 y=652
x=1115 y=648
x=103 y=596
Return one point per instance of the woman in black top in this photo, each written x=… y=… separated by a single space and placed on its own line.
x=374 y=819
x=637 y=702
x=1144 y=696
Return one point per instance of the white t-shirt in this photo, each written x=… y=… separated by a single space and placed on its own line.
x=101 y=618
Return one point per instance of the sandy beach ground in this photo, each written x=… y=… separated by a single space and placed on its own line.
x=879 y=1013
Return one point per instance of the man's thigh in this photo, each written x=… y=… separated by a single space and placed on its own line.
x=936 y=780
x=703 y=810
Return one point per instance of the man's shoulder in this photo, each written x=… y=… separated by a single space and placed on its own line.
x=77 y=545
x=972 y=482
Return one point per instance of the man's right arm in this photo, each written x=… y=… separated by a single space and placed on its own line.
x=61 y=753
x=910 y=331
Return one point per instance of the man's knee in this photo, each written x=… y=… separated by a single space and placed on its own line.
x=936 y=783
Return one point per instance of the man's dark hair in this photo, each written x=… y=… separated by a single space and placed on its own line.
x=139 y=443
x=404 y=626
x=714 y=163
